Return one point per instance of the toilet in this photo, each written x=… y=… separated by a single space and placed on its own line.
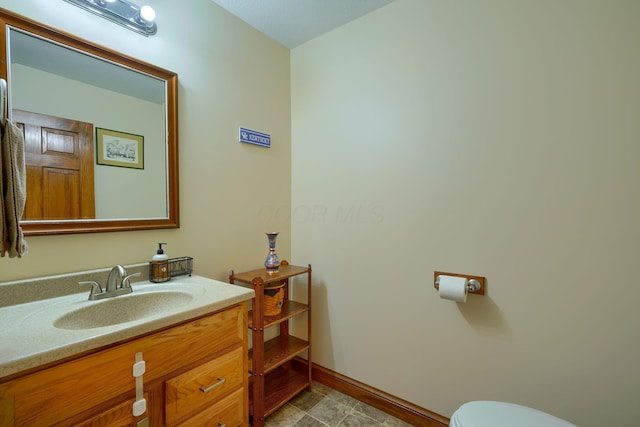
x=501 y=414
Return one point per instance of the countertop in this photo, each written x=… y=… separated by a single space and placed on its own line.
x=29 y=337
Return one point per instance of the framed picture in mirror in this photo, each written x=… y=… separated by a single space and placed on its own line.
x=121 y=149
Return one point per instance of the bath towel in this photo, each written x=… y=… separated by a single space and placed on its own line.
x=13 y=183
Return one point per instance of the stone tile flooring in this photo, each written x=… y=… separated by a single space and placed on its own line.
x=325 y=407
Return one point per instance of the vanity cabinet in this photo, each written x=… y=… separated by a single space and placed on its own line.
x=275 y=375
x=195 y=375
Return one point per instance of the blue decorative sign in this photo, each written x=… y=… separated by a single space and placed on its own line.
x=253 y=137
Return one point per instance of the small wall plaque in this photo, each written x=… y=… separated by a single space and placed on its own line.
x=253 y=137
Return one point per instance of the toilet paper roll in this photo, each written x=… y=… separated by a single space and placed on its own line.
x=453 y=288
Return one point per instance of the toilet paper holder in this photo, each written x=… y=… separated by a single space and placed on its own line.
x=475 y=284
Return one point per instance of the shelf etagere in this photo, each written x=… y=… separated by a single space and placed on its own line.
x=275 y=377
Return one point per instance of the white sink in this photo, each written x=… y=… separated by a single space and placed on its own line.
x=122 y=309
x=43 y=331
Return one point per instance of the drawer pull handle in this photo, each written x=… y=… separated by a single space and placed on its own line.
x=212 y=386
x=222 y=425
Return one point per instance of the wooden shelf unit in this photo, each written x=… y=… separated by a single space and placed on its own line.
x=274 y=379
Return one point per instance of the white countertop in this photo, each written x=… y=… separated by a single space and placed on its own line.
x=28 y=337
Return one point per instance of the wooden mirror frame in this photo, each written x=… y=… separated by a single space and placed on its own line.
x=55 y=227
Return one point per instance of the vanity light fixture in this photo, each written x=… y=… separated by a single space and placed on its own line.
x=122 y=12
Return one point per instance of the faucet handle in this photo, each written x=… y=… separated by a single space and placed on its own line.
x=126 y=281
x=95 y=288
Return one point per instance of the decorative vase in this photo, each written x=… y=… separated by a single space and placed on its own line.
x=272 y=263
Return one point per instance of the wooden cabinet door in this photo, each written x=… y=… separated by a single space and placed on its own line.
x=59 y=161
x=117 y=416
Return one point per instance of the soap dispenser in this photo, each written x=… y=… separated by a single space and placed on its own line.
x=160 y=266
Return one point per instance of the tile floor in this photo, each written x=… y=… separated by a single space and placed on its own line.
x=325 y=407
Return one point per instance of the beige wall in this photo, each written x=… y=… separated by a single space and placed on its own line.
x=230 y=75
x=498 y=138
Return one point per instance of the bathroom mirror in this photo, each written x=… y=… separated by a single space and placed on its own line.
x=111 y=121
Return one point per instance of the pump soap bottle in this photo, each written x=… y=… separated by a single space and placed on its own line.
x=160 y=266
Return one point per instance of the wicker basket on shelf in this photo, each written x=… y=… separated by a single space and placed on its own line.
x=273 y=298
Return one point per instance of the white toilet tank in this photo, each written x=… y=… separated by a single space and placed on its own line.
x=484 y=413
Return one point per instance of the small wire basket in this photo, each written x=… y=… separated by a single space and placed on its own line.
x=180 y=266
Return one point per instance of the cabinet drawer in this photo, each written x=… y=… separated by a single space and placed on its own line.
x=228 y=412
x=196 y=389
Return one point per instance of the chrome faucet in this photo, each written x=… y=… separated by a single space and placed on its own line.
x=118 y=283
x=117 y=273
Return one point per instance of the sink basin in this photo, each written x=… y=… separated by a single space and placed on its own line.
x=122 y=309
x=45 y=330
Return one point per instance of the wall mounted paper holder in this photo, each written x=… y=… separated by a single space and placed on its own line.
x=475 y=284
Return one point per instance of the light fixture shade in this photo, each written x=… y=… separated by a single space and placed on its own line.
x=147 y=13
x=122 y=12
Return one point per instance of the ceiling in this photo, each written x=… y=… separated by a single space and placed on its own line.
x=294 y=22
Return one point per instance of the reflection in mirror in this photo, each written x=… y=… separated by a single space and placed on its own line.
x=100 y=131
x=105 y=96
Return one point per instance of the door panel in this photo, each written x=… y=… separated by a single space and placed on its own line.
x=59 y=160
